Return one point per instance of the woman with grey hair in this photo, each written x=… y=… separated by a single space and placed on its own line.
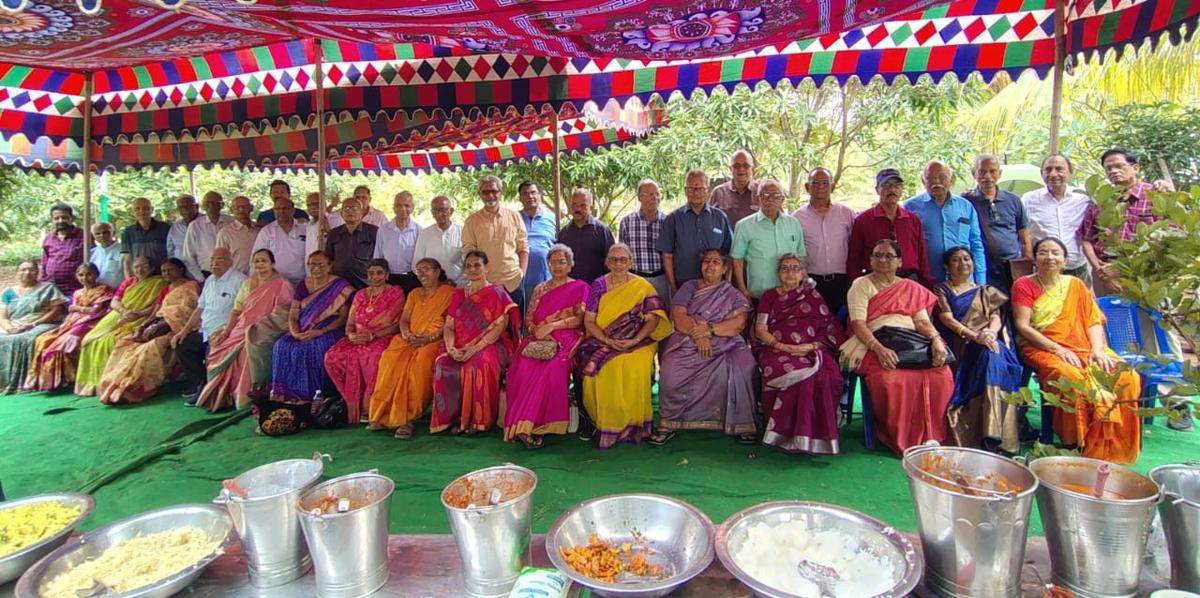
x=538 y=377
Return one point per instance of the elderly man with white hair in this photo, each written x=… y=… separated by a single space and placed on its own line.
x=948 y=221
x=639 y=230
x=106 y=255
x=499 y=232
x=760 y=238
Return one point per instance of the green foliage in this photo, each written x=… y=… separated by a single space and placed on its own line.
x=1160 y=133
x=15 y=252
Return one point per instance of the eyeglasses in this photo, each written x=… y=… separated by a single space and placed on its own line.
x=318 y=264
x=425 y=270
x=791 y=268
x=892 y=185
x=883 y=256
x=771 y=195
x=692 y=188
x=620 y=259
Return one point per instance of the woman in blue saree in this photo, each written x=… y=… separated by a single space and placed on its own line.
x=971 y=319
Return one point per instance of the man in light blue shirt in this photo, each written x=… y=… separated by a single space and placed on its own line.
x=542 y=230
x=948 y=221
x=211 y=315
x=106 y=255
x=396 y=241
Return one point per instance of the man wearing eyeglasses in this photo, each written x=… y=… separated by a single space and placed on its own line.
x=760 y=238
x=499 y=232
x=826 y=226
x=887 y=220
x=738 y=197
x=947 y=220
x=689 y=230
x=1001 y=220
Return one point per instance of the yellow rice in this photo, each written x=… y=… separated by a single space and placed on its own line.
x=25 y=525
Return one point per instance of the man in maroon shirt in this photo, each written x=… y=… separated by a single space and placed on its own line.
x=62 y=250
x=887 y=220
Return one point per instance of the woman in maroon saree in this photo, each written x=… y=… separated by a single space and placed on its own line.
x=801 y=380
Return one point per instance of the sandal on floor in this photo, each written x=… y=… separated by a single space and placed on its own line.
x=660 y=438
x=747 y=439
x=404 y=432
x=373 y=427
x=531 y=443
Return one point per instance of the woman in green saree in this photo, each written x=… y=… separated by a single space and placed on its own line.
x=135 y=299
x=27 y=309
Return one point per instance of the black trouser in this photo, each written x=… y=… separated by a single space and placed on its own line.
x=407 y=281
x=518 y=297
x=191 y=353
x=833 y=289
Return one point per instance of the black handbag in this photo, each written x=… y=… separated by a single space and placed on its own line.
x=914 y=350
x=330 y=413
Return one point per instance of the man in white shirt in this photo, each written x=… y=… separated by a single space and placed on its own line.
x=202 y=234
x=188 y=211
x=212 y=313
x=239 y=235
x=362 y=194
x=285 y=238
x=443 y=240
x=396 y=242
x=106 y=255
x=1057 y=210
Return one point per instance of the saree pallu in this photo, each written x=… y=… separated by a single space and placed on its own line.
x=16 y=350
x=352 y=367
x=404 y=382
x=537 y=389
x=616 y=384
x=716 y=393
x=99 y=342
x=467 y=394
x=135 y=371
x=800 y=395
x=1063 y=314
x=241 y=362
x=56 y=353
x=297 y=369
x=909 y=405
x=981 y=378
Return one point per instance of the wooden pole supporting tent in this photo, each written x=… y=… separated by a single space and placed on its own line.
x=319 y=78
x=554 y=160
x=1060 y=58
x=87 y=167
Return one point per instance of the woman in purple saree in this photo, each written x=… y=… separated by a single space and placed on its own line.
x=802 y=383
x=538 y=377
x=708 y=371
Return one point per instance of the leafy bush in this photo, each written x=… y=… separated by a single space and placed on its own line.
x=1161 y=133
x=15 y=252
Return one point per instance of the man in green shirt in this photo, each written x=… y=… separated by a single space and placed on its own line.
x=760 y=238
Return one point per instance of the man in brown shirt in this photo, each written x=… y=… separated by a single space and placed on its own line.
x=738 y=197
x=500 y=233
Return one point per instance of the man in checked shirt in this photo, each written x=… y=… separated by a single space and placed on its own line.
x=639 y=230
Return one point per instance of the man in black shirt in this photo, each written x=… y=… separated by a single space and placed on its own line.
x=351 y=245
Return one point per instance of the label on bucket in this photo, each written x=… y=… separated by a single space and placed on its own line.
x=540 y=583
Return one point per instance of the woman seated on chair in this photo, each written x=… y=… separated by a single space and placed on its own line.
x=134 y=300
x=480 y=335
x=404 y=383
x=708 y=371
x=56 y=352
x=1062 y=337
x=27 y=309
x=541 y=370
x=802 y=384
x=970 y=317
x=625 y=319
x=910 y=389
x=140 y=362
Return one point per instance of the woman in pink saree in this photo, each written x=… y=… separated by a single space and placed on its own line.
x=239 y=354
x=537 y=383
x=482 y=324
x=56 y=353
x=374 y=319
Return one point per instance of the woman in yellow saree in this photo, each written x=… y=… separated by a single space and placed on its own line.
x=625 y=319
x=133 y=301
x=1061 y=334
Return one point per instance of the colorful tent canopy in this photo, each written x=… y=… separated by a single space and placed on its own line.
x=259 y=103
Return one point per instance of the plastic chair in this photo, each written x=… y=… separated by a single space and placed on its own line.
x=1124 y=330
x=851 y=383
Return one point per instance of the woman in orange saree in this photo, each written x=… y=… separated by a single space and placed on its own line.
x=1061 y=336
x=56 y=353
x=482 y=325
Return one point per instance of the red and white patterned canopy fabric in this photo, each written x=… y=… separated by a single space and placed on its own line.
x=197 y=87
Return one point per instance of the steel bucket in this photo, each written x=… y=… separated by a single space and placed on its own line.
x=349 y=550
x=1180 y=512
x=973 y=544
x=492 y=539
x=1096 y=544
x=266 y=521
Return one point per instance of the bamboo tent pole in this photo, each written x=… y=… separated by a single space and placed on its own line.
x=557 y=169
x=1060 y=55
x=319 y=77
x=87 y=166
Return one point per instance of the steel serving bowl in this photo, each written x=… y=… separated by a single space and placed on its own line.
x=876 y=536
x=679 y=535
x=212 y=520
x=12 y=565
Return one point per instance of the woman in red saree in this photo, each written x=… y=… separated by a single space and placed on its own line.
x=352 y=362
x=482 y=325
x=909 y=405
x=1061 y=334
x=56 y=353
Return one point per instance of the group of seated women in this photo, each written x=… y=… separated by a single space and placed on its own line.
x=935 y=365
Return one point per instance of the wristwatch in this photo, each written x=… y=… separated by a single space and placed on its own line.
x=712 y=330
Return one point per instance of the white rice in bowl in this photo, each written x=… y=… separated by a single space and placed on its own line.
x=771 y=554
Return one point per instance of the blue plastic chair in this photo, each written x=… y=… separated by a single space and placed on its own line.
x=1124 y=330
x=851 y=383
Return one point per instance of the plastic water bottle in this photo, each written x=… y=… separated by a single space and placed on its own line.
x=317 y=400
